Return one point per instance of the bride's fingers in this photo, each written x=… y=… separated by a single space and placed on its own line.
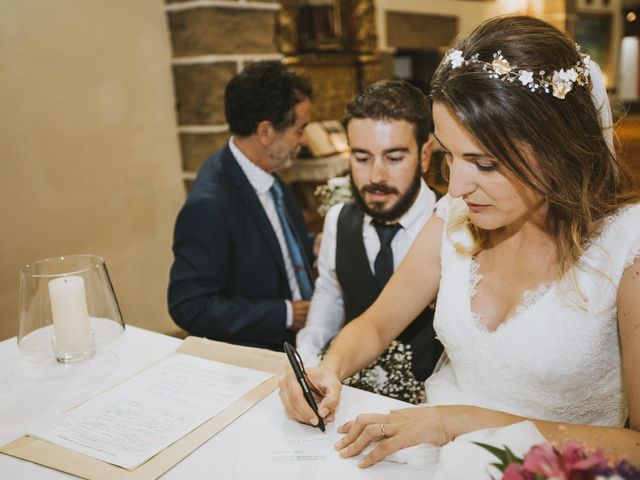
x=354 y=428
x=384 y=448
x=345 y=427
x=370 y=433
x=347 y=439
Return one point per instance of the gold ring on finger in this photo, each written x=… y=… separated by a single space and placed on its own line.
x=384 y=434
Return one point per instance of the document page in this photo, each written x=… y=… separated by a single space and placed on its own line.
x=282 y=448
x=137 y=419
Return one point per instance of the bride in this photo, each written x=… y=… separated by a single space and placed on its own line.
x=534 y=256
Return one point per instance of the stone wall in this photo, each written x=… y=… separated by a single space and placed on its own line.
x=212 y=41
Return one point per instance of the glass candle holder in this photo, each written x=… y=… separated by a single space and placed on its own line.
x=67 y=308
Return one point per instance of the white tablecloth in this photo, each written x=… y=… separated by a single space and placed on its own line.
x=29 y=395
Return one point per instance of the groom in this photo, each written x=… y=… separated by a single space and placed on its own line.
x=365 y=240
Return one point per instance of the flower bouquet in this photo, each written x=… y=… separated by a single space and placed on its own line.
x=574 y=462
x=337 y=190
x=389 y=375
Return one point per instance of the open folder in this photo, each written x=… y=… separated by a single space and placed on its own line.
x=60 y=458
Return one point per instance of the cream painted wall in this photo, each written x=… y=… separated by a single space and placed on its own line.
x=89 y=157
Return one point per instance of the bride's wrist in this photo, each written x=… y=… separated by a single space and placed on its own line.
x=332 y=363
x=467 y=418
x=461 y=419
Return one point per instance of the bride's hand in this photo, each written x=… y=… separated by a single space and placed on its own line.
x=394 y=431
x=325 y=386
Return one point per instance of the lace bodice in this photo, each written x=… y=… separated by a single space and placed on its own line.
x=558 y=357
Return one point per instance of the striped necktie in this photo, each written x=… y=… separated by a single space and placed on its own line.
x=294 y=245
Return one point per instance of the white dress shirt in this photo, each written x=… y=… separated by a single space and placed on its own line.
x=262 y=182
x=326 y=313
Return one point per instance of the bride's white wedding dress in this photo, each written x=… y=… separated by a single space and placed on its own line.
x=557 y=359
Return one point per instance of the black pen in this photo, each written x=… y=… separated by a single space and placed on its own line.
x=299 y=372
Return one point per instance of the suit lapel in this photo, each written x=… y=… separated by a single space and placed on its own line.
x=252 y=203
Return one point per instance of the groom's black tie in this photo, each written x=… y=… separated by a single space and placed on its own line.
x=383 y=265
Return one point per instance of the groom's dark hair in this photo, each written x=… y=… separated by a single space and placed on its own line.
x=392 y=100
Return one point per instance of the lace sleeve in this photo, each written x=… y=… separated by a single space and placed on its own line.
x=619 y=241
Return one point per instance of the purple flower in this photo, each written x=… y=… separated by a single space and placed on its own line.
x=623 y=469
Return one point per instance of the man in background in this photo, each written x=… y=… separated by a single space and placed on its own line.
x=365 y=240
x=241 y=249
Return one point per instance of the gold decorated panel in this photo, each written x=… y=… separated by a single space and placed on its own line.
x=370 y=70
x=420 y=31
x=334 y=80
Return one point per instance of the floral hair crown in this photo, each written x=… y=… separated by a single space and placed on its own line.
x=559 y=83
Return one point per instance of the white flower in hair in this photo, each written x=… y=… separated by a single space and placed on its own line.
x=561 y=83
x=500 y=65
x=586 y=67
x=569 y=75
x=525 y=77
x=456 y=58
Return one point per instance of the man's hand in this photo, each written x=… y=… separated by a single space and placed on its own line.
x=299 y=309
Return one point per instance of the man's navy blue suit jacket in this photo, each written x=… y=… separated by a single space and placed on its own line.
x=228 y=281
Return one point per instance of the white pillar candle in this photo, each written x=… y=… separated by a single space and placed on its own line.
x=70 y=314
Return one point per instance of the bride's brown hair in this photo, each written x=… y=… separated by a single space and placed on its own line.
x=573 y=167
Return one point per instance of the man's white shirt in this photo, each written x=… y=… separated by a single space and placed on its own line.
x=262 y=182
x=326 y=313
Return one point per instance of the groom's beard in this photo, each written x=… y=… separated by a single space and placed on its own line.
x=397 y=209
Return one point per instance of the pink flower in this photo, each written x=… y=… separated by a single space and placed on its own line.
x=575 y=459
x=573 y=463
x=515 y=471
x=545 y=460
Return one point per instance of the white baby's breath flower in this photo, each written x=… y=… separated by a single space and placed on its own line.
x=391 y=375
x=380 y=375
x=338 y=182
x=337 y=190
